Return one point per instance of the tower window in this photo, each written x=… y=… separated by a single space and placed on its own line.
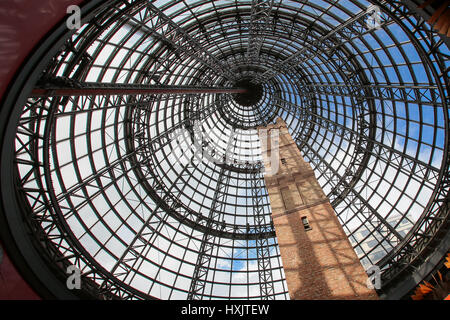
x=306 y=224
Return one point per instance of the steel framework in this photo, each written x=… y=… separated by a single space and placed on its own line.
x=130 y=156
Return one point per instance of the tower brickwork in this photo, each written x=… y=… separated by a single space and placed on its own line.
x=318 y=259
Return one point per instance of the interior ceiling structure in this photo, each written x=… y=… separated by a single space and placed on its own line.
x=132 y=187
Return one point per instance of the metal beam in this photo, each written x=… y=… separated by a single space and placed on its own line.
x=356 y=197
x=381 y=151
x=327 y=43
x=90 y=89
x=162 y=27
x=200 y=275
x=259 y=23
x=143 y=241
x=266 y=284
x=150 y=179
x=409 y=93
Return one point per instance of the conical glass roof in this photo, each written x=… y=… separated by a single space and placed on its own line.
x=162 y=195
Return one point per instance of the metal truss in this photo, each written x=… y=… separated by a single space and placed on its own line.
x=97 y=89
x=47 y=207
x=200 y=275
x=178 y=40
x=115 y=150
x=422 y=94
x=168 y=197
x=327 y=44
x=199 y=278
x=259 y=21
x=435 y=218
x=262 y=243
x=352 y=197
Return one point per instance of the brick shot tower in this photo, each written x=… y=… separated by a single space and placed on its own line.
x=318 y=259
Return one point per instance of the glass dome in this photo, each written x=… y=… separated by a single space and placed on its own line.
x=162 y=195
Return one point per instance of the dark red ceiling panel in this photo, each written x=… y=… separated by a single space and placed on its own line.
x=23 y=23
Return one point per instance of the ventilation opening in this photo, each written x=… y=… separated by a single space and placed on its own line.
x=306 y=224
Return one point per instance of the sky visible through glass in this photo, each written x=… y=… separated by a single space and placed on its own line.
x=115 y=209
